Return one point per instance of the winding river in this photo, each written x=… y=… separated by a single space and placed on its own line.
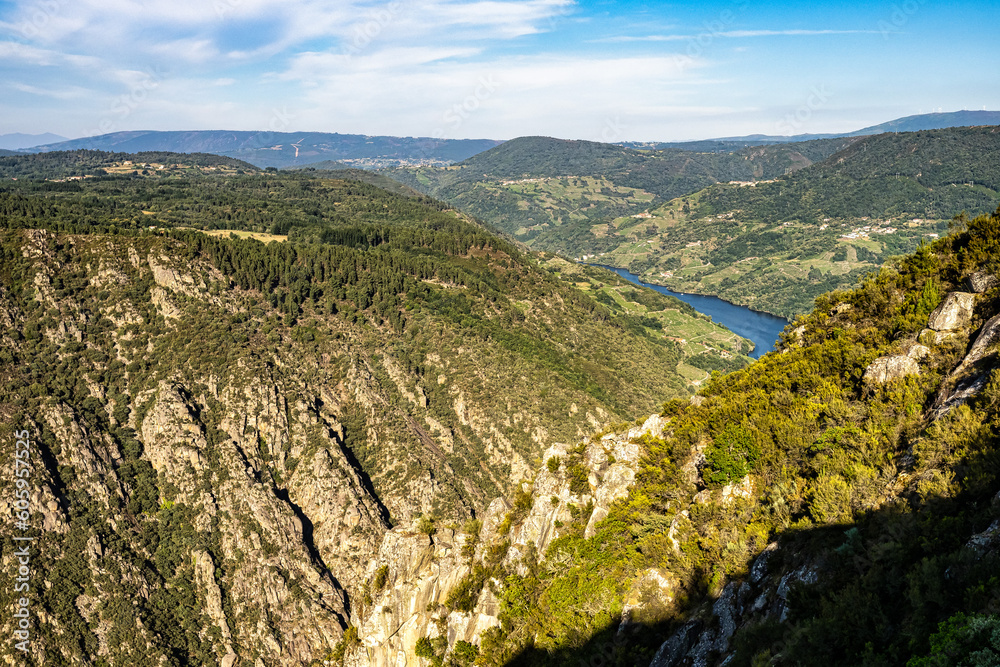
x=762 y=328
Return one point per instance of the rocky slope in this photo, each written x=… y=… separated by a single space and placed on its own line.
x=837 y=502
x=211 y=482
x=416 y=575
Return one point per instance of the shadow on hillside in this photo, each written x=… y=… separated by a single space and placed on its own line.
x=879 y=586
x=612 y=646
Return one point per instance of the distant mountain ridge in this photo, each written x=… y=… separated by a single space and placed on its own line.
x=17 y=140
x=286 y=149
x=916 y=123
x=318 y=149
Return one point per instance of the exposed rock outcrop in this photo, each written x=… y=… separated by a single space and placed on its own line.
x=954 y=313
x=981 y=281
x=970 y=376
x=421 y=572
x=887 y=369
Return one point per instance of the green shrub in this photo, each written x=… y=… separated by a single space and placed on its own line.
x=730 y=457
x=381 y=576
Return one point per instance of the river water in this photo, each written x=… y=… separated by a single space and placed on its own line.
x=762 y=328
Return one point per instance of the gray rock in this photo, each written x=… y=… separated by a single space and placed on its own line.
x=886 y=369
x=725 y=609
x=980 y=282
x=759 y=568
x=955 y=312
x=966 y=381
x=987 y=540
x=918 y=352
x=675 y=649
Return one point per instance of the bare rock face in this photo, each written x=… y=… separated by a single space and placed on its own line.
x=887 y=369
x=954 y=313
x=420 y=573
x=981 y=281
x=986 y=541
x=969 y=377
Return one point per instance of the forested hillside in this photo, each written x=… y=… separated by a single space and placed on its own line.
x=224 y=429
x=778 y=245
x=835 y=503
x=538 y=187
x=802 y=218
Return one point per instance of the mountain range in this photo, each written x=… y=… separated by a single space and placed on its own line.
x=771 y=227
x=286 y=149
x=927 y=121
x=299 y=149
x=292 y=418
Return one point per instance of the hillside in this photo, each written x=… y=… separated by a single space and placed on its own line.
x=224 y=430
x=778 y=245
x=835 y=503
x=285 y=149
x=79 y=164
x=540 y=189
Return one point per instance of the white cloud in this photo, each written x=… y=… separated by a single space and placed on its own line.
x=730 y=34
x=432 y=92
x=71 y=93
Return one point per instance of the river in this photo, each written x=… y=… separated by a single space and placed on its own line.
x=762 y=328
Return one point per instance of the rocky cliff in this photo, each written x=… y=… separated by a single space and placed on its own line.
x=418 y=580
x=211 y=483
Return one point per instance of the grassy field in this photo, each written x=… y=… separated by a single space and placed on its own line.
x=266 y=238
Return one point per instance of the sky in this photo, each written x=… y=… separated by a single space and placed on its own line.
x=497 y=69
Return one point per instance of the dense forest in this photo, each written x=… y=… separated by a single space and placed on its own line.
x=478 y=186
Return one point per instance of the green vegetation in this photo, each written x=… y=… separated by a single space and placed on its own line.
x=548 y=192
x=820 y=214
x=406 y=337
x=858 y=483
x=99 y=164
x=779 y=245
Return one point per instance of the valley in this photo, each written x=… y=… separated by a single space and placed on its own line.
x=767 y=227
x=316 y=417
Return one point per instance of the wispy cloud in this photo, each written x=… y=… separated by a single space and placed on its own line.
x=71 y=93
x=730 y=34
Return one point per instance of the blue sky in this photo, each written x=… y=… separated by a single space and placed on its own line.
x=584 y=69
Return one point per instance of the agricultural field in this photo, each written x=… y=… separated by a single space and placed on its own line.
x=705 y=345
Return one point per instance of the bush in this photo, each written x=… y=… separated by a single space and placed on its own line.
x=579 y=479
x=426 y=526
x=731 y=456
x=963 y=641
x=381 y=577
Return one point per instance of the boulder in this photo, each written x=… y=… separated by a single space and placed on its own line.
x=886 y=369
x=968 y=379
x=955 y=312
x=980 y=282
x=985 y=541
x=918 y=352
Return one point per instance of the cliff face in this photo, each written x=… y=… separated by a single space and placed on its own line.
x=212 y=485
x=418 y=580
